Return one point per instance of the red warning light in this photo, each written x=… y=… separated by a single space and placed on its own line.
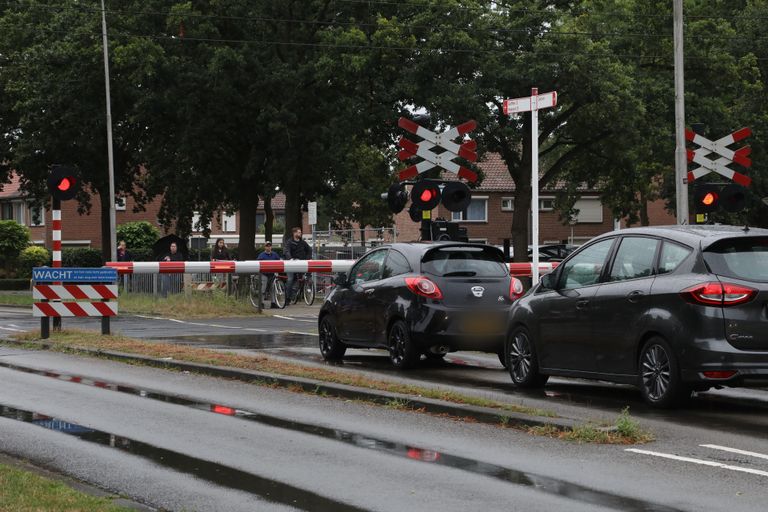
x=64 y=184
x=709 y=198
x=427 y=195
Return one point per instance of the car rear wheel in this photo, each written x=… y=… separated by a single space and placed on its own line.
x=331 y=347
x=402 y=353
x=659 y=375
x=522 y=362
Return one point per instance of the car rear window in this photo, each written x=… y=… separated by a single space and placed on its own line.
x=741 y=258
x=464 y=261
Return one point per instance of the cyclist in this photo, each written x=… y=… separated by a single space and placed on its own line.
x=267 y=254
x=295 y=249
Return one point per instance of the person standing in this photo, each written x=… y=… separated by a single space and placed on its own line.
x=122 y=252
x=296 y=248
x=167 y=282
x=268 y=255
x=220 y=251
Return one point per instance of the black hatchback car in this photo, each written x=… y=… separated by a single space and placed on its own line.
x=419 y=299
x=670 y=309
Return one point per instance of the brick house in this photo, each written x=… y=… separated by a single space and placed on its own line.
x=489 y=216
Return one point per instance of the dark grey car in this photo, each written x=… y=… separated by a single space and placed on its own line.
x=671 y=309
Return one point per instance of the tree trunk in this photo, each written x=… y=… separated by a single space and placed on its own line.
x=269 y=219
x=246 y=249
x=522 y=199
x=644 y=221
x=292 y=208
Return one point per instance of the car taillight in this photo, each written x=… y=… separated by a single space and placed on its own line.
x=515 y=288
x=424 y=287
x=719 y=374
x=719 y=294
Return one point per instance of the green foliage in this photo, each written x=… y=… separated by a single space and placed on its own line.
x=81 y=257
x=31 y=257
x=142 y=254
x=13 y=284
x=13 y=239
x=138 y=235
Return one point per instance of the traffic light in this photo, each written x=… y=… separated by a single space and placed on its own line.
x=456 y=196
x=733 y=198
x=707 y=198
x=397 y=197
x=426 y=195
x=63 y=182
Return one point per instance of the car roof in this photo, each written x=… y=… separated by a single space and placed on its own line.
x=704 y=234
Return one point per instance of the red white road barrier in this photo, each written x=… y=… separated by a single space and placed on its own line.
x=56 y=234
x=59 y=309
x=727 y=156
x=74 y=291
x=433 y=140
x=255 y=266
x=209 y=285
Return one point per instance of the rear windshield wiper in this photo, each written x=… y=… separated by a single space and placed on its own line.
x=461 y=273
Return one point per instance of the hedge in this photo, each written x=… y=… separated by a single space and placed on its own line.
x=14 y=284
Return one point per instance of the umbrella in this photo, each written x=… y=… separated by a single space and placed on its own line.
x=163 y=246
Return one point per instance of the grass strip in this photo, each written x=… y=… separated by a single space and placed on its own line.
x=215 y=303
x=25 y=491
x=71 y=339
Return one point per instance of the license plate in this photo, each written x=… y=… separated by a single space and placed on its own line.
x=482 y=325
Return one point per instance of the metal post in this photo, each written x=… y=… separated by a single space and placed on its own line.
x=110 y=155
x=260 y=302
x=681 y=161
x=535 y=185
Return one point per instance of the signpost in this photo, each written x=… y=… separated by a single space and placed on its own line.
x=432 y=140
x=53 y=284
x=532 y=104
x=727 y=156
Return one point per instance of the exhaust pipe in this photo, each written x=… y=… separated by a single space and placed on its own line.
x=440 y=349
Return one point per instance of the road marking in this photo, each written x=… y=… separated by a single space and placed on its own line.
x=735 y=450
x=698 y=461
x=304 y=333
x=223 y=326
x=283 y=317
x=11 y=329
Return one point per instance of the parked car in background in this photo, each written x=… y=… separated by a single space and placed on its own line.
x=669 y=309
x=417 y=299
x=548 y=252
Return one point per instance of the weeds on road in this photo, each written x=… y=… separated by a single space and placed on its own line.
x=625 y=430
x=23 y=490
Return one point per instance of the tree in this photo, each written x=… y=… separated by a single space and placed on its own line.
x=138 y=235
x=53 y=108
x=13 y=239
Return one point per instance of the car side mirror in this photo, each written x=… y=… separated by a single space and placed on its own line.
x=547 y=282
x=340 y=280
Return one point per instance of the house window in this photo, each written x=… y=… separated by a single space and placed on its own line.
x=14 y=210
x=507 y=204
x=546 y=204
x=36 y=215
x=477 y=211
x=120 y=203
x=228 y=223
x=590 y=210
x=197 y=227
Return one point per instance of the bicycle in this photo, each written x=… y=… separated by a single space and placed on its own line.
x=277 y=293
x=306 y=289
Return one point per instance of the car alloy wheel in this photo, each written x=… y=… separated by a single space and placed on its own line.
x=331 y=348
x=521 y=360
x=401 y=350
x=659 y=377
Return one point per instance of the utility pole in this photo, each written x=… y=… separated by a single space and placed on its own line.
x=681 y=160
x=110 y=151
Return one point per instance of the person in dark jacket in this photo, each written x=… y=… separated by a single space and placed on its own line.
x=295 y=249
x=168 y=282
x=220 y=251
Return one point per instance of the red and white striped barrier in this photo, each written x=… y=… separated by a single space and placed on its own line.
x=209 y=285
x=230 y=267
x=255 y=266
x=56 y=238
x=74 y=291
x=59 y=309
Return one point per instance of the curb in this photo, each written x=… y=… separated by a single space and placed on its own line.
x=430 y=405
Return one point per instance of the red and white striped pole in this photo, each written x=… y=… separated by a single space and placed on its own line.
x=56 y=256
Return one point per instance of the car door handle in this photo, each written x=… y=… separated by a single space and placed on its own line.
x=635 y=296
x=582 y=303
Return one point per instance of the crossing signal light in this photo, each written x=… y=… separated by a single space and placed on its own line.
x=707 y=198
x=397 y=197
x=733 y=198
x=63 y=183
x=456 y=196
x=426 y=195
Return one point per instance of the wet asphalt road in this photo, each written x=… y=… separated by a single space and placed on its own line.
x=371 y=472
